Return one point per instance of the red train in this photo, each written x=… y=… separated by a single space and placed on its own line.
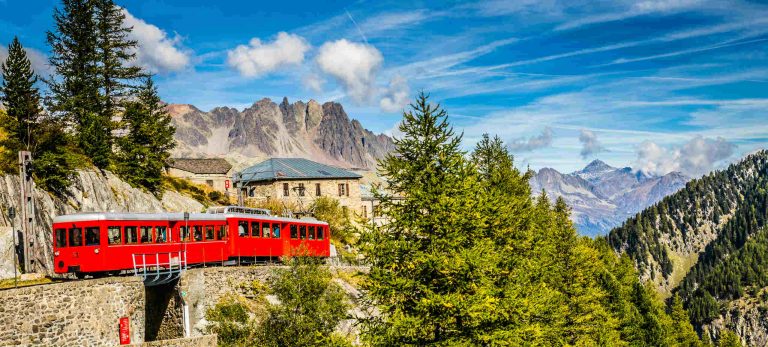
x=99 y=243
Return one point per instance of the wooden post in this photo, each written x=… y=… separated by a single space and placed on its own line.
x=27 y=204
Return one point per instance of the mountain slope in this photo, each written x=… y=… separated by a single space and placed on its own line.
x=710 y=239
x=322 y=133
x=602 y=196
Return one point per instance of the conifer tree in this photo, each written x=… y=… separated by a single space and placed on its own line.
x=728 y=339
x=22 y=101
x=75 y=88
x=682 y=333
x=145 y=149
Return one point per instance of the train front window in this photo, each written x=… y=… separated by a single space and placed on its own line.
x=146 y=233
x=92 y=236
x=255 y=229
x=276 y=230
x=222 y=232
x=161 y=234
x=265 y=229
x=114 y=236
x=242 y=228
x=75 y=237
x=131 y=235
x=311 y=232
x=61 y=237
x=320 y=232
x=198 y=232
x=209 y=235
x=294 y=231
x=303 y=232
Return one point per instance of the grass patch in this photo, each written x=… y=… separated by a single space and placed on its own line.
x=200 y=192
x=11 y=283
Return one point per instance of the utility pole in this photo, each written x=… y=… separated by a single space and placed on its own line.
x=27 y=208
x=238 y=178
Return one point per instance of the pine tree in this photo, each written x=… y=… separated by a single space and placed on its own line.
x=682 y=333
x=75 y=89
x=145 y=149
x=22 y=101
x=728 y=339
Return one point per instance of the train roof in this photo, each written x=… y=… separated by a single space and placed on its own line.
x=170 y=216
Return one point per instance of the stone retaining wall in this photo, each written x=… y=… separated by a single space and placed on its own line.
x=81 y=313
x=199 y=341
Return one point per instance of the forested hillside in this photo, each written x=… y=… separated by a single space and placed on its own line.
x=709 y=243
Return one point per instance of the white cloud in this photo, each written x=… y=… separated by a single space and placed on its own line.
x=396 y=96
x=257 y=58
x=314 y=82
x=694 y=158
x=534 y=142
x=354 y=65
x=156 y=51
x=589 y=143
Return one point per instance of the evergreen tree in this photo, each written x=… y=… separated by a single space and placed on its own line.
x=728 y=339
x=22 y=101
x=145 y=149
x=682 y=333
x=75 y=89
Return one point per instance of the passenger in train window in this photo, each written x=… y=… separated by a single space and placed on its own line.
x=265 y=230
x=222 y=232
x=209 y=235
x=255 y=229
x=294 y=231
x=75 y=237
x=114 y=236
x=161 y=234
x=92 y=236
x=242 y=228
x=131 y=234
x=276 y=230
x=198 y=232
x=184 y=231
x=61 y=237
x=303 y=232
x=311 y=232
x=146 y=233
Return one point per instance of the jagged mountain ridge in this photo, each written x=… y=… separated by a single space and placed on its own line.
x=707 y=243
x=323 y=133
x=602 y=196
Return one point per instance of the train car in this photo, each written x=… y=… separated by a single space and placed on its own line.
x=99 y=243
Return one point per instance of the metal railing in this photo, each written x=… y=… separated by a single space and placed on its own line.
x=159 y=268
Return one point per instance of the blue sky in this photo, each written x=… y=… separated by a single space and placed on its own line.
x=657 y=85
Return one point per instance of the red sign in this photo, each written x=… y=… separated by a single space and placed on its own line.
x=226 y=184
x=125 y=332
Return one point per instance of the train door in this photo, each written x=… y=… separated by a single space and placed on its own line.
x=92 y=237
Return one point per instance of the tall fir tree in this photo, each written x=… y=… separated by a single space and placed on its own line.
x=75 y=89
x=145 y=148
x=22 y=102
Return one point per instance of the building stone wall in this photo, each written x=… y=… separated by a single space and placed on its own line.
x=199 y=341
x=80 y=313
x=216 y=180
x=329 y=187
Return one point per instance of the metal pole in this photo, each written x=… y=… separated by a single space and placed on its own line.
x=186 y=227
x=12 y=217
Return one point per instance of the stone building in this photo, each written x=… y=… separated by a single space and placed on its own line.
x=213 y=172
x=299 y=182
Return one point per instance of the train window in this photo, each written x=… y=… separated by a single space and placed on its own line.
x=303 y=232
x=320 y=232
x=131 y=235
x=114 y=236
x=265 y=229
x=209 y=235
x=92 y=236
x=198 y=230
x=294 y=231
x=61 y=237
x=222 y=232
x=75 y=237
x=184 y=231
x=242 y=228
x=255 y=229
x=311 y=232
x=145 y=233
x=276 y=230
x=161 y=234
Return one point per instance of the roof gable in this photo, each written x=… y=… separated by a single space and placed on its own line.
x=294 y=168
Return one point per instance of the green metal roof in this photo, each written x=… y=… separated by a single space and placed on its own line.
x=293 y=168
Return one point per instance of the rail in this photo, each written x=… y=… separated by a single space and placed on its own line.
x=159 y=268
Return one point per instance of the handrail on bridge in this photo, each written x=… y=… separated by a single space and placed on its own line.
x=157 y=272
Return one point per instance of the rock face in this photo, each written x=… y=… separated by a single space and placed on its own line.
x=603 y=196
x=322 y=133
x=91 y=191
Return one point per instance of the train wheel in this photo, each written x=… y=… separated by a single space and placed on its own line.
x=79 y=275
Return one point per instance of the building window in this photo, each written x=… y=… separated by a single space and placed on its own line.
x=365 y=211
x=252 y=192
x=301 y=189
x=209 y=183
x=347 y=185
x=285 y=189
x=317 y=189
x=342 y=189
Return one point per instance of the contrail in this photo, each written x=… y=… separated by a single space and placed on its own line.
x=356 y=26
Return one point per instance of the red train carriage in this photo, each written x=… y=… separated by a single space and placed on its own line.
x=90 y=243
